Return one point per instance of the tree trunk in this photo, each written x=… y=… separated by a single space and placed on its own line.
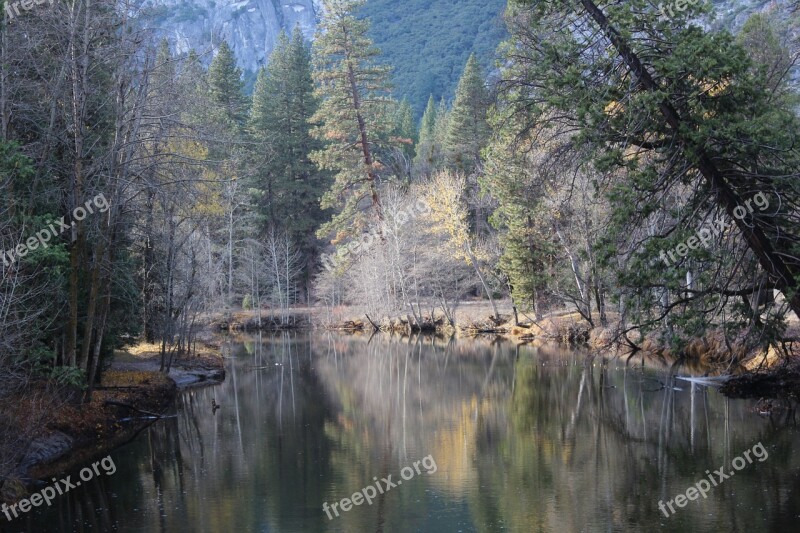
x=365 y=146
x=476 y=266
x=785 y=274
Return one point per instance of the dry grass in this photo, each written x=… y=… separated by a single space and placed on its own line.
x=144 y=349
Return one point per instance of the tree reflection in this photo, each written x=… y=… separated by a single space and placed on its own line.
x=525 y=439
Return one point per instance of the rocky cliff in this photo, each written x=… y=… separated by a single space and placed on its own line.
x=251 y=27
x=427 y=41
x=732 y=14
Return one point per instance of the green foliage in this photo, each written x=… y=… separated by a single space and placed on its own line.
x=766 y=39
x=431 y=148
x=24 y=215
x=287 y=182
x=428 y=42
x=227 y=88
x=427 y=128
x=41 y=362
x=405 y=128
x=426 y=152
x=529 y=252
x=69 y=375
x=468 y=129
x=704 y=112
x=247 y=302
x=354 y=117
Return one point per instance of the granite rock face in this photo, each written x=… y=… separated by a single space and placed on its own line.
x=251 y=27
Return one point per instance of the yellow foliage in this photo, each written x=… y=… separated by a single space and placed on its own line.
x=711 y=87
x=191 y=155
x=614 y=108
x=445 y=195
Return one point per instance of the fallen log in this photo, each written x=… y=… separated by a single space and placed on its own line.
x=127 y=406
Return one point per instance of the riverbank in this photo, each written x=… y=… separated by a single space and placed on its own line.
x=64 y=432
x=756 y=371
x=251 y=321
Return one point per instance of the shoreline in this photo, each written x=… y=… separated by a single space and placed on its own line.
x=759 y=372
x=133 y=395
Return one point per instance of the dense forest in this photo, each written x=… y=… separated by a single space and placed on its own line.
x=638 y=168
x=428 y=43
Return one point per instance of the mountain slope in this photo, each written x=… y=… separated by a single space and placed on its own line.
x=428 y=42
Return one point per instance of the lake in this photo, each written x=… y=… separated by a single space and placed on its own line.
x=477 y=435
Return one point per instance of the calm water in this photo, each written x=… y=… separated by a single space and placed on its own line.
x=523 y=439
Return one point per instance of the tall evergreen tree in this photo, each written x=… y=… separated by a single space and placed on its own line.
x=442 y=123
x=441 y=129
x=404 y=126
x=227 y=87
x=193 y=83
x=428 y=124
x=354 y=91
x=288 y=183
x=423 y=160
x=400 y=158
x=468 y=130
x=684 y=131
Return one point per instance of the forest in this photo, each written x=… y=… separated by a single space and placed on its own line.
x=634 y=169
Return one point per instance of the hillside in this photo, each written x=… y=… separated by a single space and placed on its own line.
x=428 y=42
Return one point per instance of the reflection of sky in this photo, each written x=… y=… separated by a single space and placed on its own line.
x=524 y=440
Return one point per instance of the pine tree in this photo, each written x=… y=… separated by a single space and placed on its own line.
x=684 y=131
x=428 y=125
x=164 y=73
x=468 y=130
x=524 y=229
x=227 y=88
x=442 y=124
x=440 y=131
x=404 y=127
x=288 y=182
x=193 y=84
x=353 y=117
x=423 y=161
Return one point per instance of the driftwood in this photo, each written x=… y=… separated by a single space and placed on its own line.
x=120 y=404
x=375 y=326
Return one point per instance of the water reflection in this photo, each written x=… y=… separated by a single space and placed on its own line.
x=525 y=439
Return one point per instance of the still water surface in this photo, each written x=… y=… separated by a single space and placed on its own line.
x=523 y=439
